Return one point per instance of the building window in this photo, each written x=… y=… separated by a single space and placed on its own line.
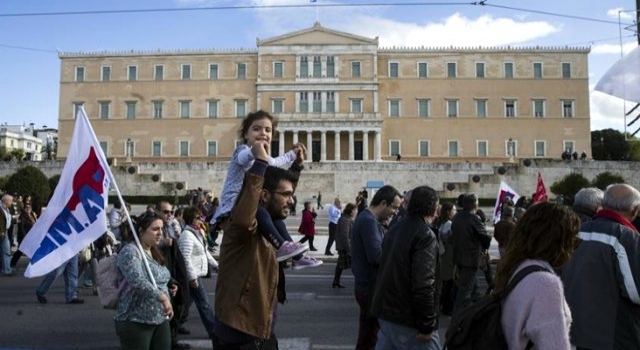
x=511 y=147
x=241 y=70
x=130 y=109
x=538 y=108
x=394 y=108
x=355 y=69
x=304 y=102
x=356 y=105
x=317 y=66
x=105 y=74
x=213 y=71
x=184 y=148
x=185 y=109
x=104 y=145
x=76 y=107
x=422 y=69
x=277 y=106
x=79 y=74
x=156 y=149
x=394 y=147
x=479 y=69
x=304 y=67
x=393 y=69
x=238 y=143
x=132 y=73
x=158 y=72
x=331 y=67
x=451 y=70
x=482 y=148
x=331 y=102
x=186 y=71
x=566 y=70
x=510 y=108
x=452 y=108
x=569 y=146
x=508 y=70
x=481 y=108
x=537 y=70
x=278 y=69
x=541 y=149
x=157 y=109
x=423 y=148
x=104 y=109
x=212 y=148
x=423 y=108
x=241 y=108
x=452 y=147
x=212 y=109
x=567 y=108
x=317 y=102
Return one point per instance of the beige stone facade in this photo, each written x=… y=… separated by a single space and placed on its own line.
x=342 y=95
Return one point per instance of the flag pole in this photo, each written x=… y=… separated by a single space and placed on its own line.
x=126 y=211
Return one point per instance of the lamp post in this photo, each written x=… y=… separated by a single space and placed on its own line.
x=511 y=149
x=128 y=150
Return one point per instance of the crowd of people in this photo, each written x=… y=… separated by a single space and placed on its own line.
x=413 y=258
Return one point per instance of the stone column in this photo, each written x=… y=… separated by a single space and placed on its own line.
x=351 y=153
x=295 y=137
x=281 y=135
x=376 y=146
x=336 y=143
x=365 y=145
x=310 y=145
x=323 y=145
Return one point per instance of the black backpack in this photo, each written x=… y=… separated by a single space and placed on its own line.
x=478 y=325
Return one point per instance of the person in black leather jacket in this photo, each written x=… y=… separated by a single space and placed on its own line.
x=470 y=238
x=406 y=294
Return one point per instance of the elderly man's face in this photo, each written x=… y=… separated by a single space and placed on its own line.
x=7 y=201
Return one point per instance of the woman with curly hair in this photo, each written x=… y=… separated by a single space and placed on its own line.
x=536 y=310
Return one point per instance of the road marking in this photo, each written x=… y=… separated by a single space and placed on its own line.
x=283 y=344
x=332 y=347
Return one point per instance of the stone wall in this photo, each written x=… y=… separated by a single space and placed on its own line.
x=347 y=178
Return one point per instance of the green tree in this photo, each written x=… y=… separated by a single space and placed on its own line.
x=609 y=144
x=30 y=181
x=568 y=186
x=605 y=179
x=53 y=182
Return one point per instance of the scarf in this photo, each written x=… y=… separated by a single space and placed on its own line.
x=614 y=216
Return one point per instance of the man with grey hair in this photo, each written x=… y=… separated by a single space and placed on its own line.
x=587 y=202
x=601 y=280
x=5 y=223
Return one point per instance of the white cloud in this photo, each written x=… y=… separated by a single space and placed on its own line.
x=613 y=48
x=621 y=13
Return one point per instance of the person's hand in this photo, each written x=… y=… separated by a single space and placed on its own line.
x=260 y=150
x=194 y=283
x=301 y=153
x=173 y=290
x=167 y=309
x=424 y=337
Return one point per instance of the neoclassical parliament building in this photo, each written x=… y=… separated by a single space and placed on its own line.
x=344 y=96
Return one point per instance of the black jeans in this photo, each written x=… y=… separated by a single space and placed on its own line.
x=332 y=237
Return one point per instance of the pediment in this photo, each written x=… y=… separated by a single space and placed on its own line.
x=317 y=35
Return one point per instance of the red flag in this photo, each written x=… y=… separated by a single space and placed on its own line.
x=541 y=191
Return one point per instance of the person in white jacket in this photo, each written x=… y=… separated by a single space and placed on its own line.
x=197 y=259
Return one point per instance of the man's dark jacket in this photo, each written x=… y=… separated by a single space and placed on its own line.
x=407 y=287
x=470 y=238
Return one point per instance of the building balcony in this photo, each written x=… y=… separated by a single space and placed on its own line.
x=328 y=116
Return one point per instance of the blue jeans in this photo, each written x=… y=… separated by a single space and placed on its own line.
x=393 y=336
x=5 y=250
x=199 y=297
x=70 y=271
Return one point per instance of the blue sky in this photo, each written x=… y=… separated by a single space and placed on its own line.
x=30 y=68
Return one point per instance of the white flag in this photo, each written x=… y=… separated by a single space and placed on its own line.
x=504 y=191
x=75 y=216
x=622 y=80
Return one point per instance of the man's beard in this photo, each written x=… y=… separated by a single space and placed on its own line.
x=276 y=213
